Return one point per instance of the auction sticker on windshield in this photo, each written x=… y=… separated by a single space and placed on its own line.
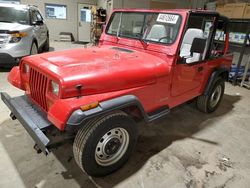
x=168 y=18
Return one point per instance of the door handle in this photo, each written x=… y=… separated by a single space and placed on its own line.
x=80 y=25
x=200 y=69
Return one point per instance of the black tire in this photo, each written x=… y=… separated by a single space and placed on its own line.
x=205 y=103
x=89 y=137
x=46 y=45
x=33 y=49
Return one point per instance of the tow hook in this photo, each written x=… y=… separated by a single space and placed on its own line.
x=12 y=116
x=38 y=150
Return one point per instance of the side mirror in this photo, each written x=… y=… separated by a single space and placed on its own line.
x=198 y=45
x=39 y=22
x=181 y=60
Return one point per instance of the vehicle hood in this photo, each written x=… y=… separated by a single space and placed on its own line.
x=97 y=69
x=12 y=26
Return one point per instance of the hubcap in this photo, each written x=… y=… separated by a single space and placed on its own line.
x=112 y=146
x=215 y=97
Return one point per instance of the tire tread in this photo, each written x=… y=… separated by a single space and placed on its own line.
x=202 y=101
x=86 y=131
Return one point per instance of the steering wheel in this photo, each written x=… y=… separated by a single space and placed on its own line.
x=170 y=40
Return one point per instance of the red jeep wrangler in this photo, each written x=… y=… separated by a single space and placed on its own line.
x=147 y=62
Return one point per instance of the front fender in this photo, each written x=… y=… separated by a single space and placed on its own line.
x=14 y=78
x=61 y=110
x=59 y=116
x=79 y=116
x=66 y=114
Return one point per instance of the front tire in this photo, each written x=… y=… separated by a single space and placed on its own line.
x=46 y=45
x=104 y=144
x=34 y=49
x=209 y=103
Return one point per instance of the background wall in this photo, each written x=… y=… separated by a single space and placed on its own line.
x=102 y=3
x=155 y=4
x=56 y=25
x=159 y=3
x=71 y=23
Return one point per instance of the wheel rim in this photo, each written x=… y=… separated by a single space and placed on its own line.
x=112 y=146
x=33 y=50
x=215 y=97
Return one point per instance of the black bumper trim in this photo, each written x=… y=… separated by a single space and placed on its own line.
x=6 y=59
x=17 y=106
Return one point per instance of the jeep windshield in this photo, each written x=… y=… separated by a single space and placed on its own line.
x=14 y=15
x=149 y=27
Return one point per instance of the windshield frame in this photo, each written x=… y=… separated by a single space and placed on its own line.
x=144 y=22
x=27 y=9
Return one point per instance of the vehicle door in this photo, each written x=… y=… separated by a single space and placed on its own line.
x=190 y=68
x=39 y=28
x=43 y=26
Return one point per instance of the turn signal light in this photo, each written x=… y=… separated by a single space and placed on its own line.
x=89 y=106
x=17 y=36
x=21 y=34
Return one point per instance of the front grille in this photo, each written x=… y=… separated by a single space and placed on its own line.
x=38 y=85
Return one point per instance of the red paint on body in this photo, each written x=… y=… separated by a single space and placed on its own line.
x=151 y=73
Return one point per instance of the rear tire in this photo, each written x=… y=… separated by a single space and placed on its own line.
x=209 y=103
x=104 y=144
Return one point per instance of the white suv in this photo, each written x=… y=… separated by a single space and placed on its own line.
x=22 y=32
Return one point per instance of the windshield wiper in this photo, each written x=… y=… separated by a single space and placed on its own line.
x=144 y=42
x=119 y=27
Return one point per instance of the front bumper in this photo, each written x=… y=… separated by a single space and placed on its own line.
x=32 y=119
x=17 y=50
x=6 y=59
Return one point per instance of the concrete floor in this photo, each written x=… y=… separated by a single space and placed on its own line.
x=187 y=149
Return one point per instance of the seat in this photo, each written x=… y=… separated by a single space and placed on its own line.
x=137 y=31
x=157 y=32
x=188 y=39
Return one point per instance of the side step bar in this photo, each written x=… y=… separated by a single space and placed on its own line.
x=158 y=114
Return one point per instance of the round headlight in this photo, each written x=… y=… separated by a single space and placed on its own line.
x=26 y=68
x=55 y=88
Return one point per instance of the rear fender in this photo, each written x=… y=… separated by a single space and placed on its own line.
x=221 y=72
